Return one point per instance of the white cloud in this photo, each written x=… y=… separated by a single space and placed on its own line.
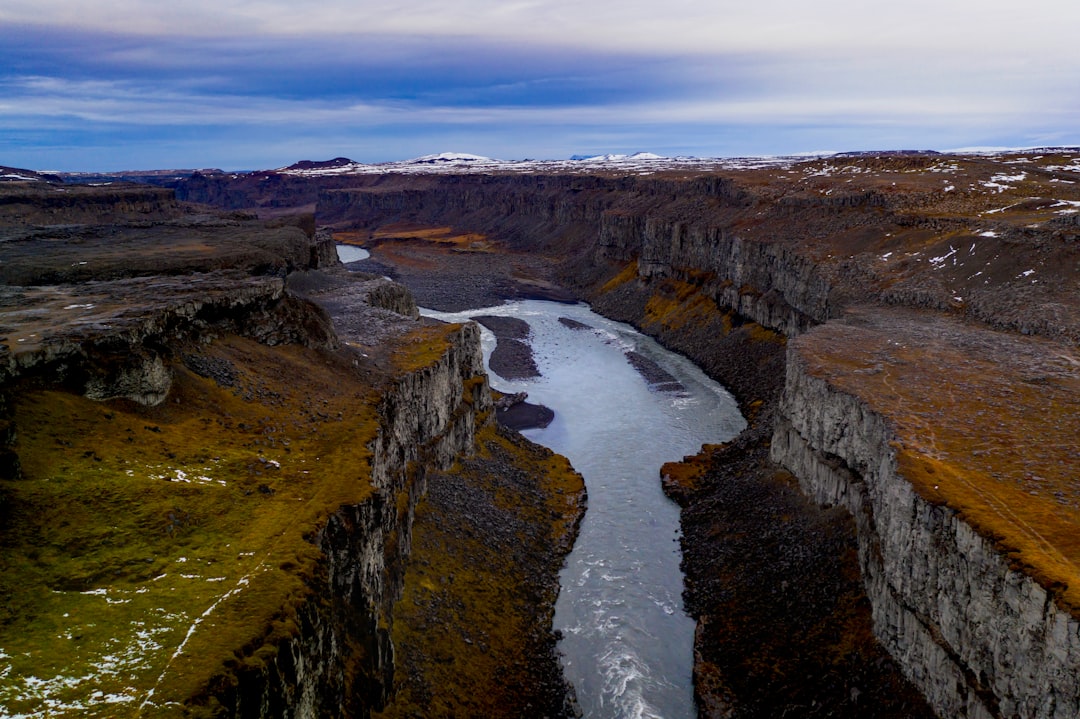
x=991 y=27
x=135 y=103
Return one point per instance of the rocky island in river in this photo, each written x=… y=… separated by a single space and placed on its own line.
x=216 y=443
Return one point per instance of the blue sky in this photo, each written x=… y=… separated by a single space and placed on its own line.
x=246 y=84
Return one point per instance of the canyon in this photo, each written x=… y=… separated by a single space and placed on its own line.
x=892 y=535
x=928 y=308
x=217 y=449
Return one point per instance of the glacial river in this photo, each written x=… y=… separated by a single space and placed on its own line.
x=351 y=253
x=627 y=644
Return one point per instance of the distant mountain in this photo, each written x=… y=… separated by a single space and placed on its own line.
x=15 y=174
x=617 y=158
x=448 y=158
x=160 y=178
x=320 y=164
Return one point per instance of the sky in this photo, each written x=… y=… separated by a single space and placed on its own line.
x=107 y=85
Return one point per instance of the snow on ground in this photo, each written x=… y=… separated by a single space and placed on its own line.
x=1071 y=206
x=638 y=163
x=939 y=262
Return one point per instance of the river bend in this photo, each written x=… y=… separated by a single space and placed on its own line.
x=626 y=641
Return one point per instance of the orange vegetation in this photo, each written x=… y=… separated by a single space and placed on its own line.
x=626 y=274
x=351 y=237
x=446 y=236
x=686 y=474
x=985 y=423
x=675 y=304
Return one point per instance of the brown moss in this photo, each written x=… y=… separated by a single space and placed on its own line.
x=444 y=236
x=759 y=333
x=683 y=477
x=423 y=346
x=352 y=237
x=176 y=539
x=675 y=305
x=626 y=274
x=985 y=423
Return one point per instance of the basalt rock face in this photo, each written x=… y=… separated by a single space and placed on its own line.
x=980 y=638
x=41 y=203
x=91 y=337
x=341 y=660
x=672 y=229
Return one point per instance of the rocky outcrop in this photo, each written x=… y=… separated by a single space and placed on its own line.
x=42 y=203
x=340 y=661
x=768 y=283
x=978 y=637
x=92 y=337
x=324 y=249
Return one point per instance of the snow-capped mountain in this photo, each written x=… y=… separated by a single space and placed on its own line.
x=460 y=162
x=619 y=158
x=447 y=158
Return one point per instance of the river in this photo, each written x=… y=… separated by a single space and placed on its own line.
x=351 y=253
x=626 y=641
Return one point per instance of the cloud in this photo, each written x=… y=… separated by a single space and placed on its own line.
x=528 y=78
x=633 y=25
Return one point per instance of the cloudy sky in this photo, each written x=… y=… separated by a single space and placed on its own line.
x=248 y=84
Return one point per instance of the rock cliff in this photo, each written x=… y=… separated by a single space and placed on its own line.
x=340 y=660
x=209 y=481
x=963 y=539
x=979 y=618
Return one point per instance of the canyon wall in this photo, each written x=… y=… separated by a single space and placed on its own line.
x=340 y=661
x=979 y=637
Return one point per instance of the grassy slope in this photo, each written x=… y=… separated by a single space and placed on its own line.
x=148 y=550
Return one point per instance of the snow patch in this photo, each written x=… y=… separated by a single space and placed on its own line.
x=939 y=262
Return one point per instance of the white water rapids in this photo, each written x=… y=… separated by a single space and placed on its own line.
x=627 y=644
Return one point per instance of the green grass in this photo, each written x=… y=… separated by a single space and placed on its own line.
x=150 y=552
